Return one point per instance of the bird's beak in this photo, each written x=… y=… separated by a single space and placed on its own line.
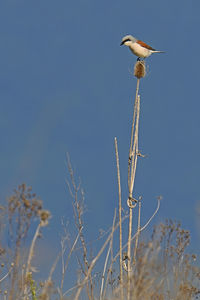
x=122 y=43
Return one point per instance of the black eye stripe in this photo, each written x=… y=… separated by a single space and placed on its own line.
x=126 y=40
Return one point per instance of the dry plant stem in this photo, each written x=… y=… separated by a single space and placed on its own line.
x=71 y=289
x=15 y=268
x=78 y=211
x=106 y=260
x=129 y=252
x=102 y=293
x=135 y=147
x=64 y=267
x=112 y=261
x=131 y=146
x=132 y=171
x=120 y=216
x=30 y=256
x=132 y=134
x=137 y=233
x=84 y=281
x=5 y=276
x=141 y=229
x=31 y=251
x=133 y=161
x=49 y=279
x=93 y=262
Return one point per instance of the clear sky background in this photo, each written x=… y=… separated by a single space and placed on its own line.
x=66 y=85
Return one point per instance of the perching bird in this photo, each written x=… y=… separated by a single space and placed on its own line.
x=138 y=47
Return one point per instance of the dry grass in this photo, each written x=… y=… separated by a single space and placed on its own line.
x=162 y=269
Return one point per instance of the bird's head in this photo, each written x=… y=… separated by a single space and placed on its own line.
x=128 y=40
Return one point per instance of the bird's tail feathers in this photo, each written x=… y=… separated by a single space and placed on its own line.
x=157 y=51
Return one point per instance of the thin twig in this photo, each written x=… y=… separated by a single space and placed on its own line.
x=68 y=258
x=155 y=212
x=120 y=216
x=5 y=276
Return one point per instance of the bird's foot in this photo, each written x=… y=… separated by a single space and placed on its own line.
x=138 y=59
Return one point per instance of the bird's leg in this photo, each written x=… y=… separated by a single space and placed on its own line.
x=138 y=59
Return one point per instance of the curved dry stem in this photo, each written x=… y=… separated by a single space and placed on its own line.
x=155 y=212
x=5 y=276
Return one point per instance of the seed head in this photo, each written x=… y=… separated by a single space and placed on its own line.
x=140 y=69
x=44 y=217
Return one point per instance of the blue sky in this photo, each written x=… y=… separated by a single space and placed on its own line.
x=67 y=86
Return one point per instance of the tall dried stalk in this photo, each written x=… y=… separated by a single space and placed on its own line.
x=29 y=260
x=133 y=153
x=120 y=219
x=44 y=216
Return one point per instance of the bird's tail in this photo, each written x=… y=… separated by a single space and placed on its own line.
x=157 y=51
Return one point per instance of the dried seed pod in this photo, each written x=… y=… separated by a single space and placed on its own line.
x=140 y=69
x=44 y=217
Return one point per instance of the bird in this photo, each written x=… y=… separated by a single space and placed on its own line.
x=139 y=48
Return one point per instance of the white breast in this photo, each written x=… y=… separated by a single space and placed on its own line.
x=139 y=50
